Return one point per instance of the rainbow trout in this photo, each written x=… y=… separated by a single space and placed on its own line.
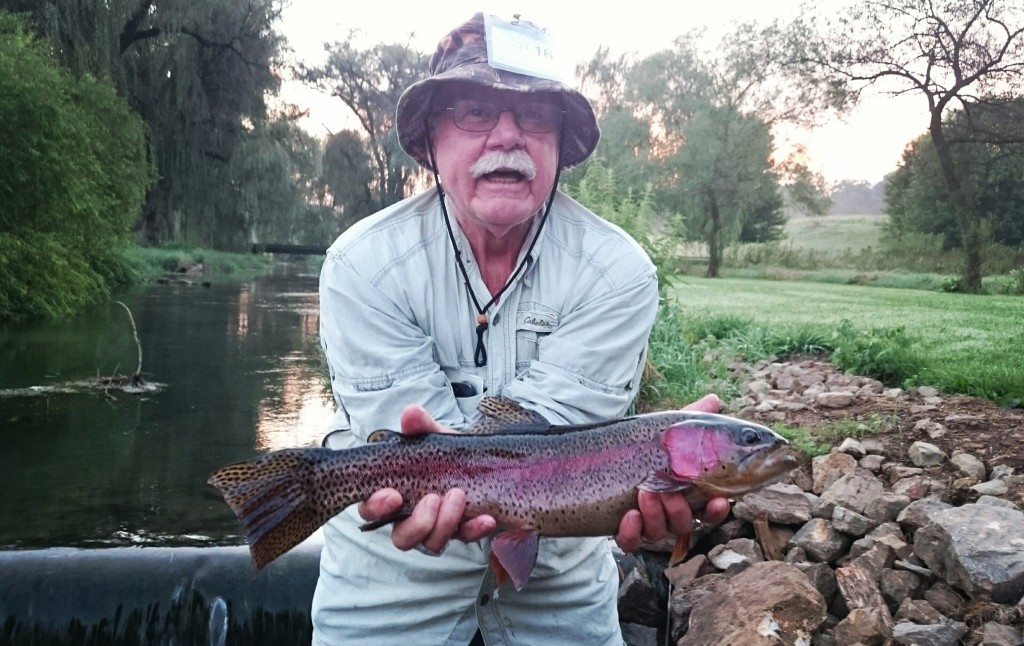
x=534 y=478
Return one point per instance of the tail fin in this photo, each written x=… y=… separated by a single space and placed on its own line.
x=273 y=497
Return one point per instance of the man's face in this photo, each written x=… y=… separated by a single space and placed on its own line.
x=499 y=192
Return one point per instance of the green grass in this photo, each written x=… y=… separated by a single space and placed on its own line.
x=835 y=234
x=154 y=261
x=956 y=342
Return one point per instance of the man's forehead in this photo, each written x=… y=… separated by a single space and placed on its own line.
x=456 y=91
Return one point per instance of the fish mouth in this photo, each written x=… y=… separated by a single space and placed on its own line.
x=756 y=470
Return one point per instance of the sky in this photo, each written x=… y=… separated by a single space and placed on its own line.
x=865 y=145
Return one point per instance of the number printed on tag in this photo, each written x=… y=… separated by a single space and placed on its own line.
x=522 y=47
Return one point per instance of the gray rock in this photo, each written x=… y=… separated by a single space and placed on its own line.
x=976 y=548
x=918 y=513
x=851 y=523
x=947 y=633
x=782 y=503
x=969 y=465
x=897 y=585
x=886 y=507
x=923 y=454
x=852 y=491
x=992 y=488
x=995 y=502
x=994 y=634
x=820 y=540
x=839 y=399
x=852 y=447
x=738 y=550
x=871 y=462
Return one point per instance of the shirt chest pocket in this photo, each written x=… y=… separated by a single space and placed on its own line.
x=534 y=322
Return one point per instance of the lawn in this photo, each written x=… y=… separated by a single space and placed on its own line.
x=967 y=344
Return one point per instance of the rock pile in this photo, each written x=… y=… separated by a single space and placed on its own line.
x=860 y=546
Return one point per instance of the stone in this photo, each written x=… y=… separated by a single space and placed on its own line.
x=822 y=577
x=851 y=523
x=781 y=503
x=944 y=598
x=992 y=488
x=995 y=502
x=852 y=491
x=826 y=469
x=886 y=507
x=840 y=399
x=994 y=634
x=864 y=626
x=872 y=462
x=897 y=585
x=946 y=633
x=739 y=550
x=764 y=605
x=918 y=611
x=820 y=540
x=852 y=447
x=923 y=454
x=914 y=487
x=875 y=560
x=688 y=570
x=969 y=465
x=976 y=548
x=918 y=513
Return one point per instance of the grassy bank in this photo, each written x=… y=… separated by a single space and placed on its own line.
x=961 y=344
x=150 y=262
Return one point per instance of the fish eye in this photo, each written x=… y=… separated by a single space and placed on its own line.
x=749 y=436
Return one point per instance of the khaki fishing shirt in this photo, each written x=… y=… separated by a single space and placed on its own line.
x=398 y=326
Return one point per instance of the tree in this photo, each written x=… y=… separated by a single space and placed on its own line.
x=369 y=83
x=964 y=55
x=857 y=197
x=711 y=111
x=73 y=174
x=918 y=199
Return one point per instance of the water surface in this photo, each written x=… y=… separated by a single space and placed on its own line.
x=241 y=368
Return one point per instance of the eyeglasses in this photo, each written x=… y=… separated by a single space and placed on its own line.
x=472 y=115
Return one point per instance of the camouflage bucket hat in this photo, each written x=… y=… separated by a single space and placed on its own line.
x=462 y=56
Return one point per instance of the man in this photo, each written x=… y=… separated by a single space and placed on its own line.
x=492 y=283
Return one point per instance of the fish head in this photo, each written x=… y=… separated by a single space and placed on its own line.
x=725 y=456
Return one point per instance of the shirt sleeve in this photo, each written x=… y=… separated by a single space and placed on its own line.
x=379 y=360
x=589 y=368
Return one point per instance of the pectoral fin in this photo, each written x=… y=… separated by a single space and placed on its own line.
x=663 y=482
x=513 y=555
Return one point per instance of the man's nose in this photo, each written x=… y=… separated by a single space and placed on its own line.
x=507 y=130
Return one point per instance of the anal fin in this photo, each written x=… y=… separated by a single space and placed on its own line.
x=393 y=517
x=513 y=555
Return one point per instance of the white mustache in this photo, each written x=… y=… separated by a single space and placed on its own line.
x=509 y=160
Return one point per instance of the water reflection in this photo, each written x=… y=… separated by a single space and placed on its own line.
x=243 y=373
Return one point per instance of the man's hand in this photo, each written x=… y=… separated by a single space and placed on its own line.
x=661 y=513
x=435 y=520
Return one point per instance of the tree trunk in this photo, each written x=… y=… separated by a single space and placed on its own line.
x=714 y=238
x=970 y=229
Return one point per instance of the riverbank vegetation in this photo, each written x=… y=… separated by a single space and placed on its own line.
x=173 y=258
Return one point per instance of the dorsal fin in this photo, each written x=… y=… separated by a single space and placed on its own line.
x=383 y=435
x=503 y=416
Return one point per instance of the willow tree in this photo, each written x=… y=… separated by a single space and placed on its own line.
x=957 y=55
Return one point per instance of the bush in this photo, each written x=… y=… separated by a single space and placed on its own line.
x=887 y=354
x=73 y=175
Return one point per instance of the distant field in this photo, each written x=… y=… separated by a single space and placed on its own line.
x=972 y=344
x=835 y=233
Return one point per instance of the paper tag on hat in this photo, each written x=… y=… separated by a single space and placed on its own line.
x=522 y=47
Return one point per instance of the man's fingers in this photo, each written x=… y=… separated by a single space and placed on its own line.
x=653 y=513
x=449 y=515
x=677 y=510
x=415 y=419
x=628 y=538
x=716 y=511
x=706 y=404
x=412 y=531
x=476 y=528
x=380 y=504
